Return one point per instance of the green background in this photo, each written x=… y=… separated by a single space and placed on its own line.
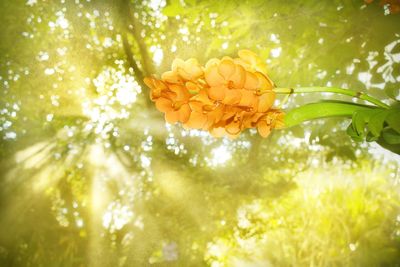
x=90 y=174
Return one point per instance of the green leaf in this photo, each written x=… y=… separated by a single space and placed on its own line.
x=371 y=138
x=322 y=110
x=360 y=118
x=393 y=119
x=353 y=134
x=391 y=137
x=391 y=147
x=375 y=124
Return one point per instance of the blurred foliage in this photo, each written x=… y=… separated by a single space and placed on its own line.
x=328 y=223
x=92 y=176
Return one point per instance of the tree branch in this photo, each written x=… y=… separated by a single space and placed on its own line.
x=129 y=19
x=130 y=58
x=147 y=61
x=124 y=15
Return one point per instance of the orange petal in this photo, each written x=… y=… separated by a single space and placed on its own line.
x=249 y=119
x=279 y=124
x=264 y=82
x=196 y=106
x=226 y=68
x=192 y=87
x=263 y=128
x=232 y=97
x=226 y=58
x=252 y=61
x=233 y=136
x=217 y=113
x=185 y=75
x=248 y=98
x=212 y=76
x=177 y=63
x=239 y=77
x=280 y=121
x=181 y=92
x=226 y=116
x=155 y=93
x=190 y=72
x=256 y=117
x=202 y=97
x=233 y=127
x=248 y=56
x=219 y=124
x=171 y=77
x=266 y=101
x=149 y=81
x=184 y=113
x=241 y=62
x=247 y=122
x=154 y=83
x=251 y=82
x=172 y=116
x=218 y=132
x=229 y=113
x=212 y=62
x=163 y=104
x=168 y=94
x=209 y=123
x=193 y=68
x=213 y=116
x=217 y=92
x=196 y=120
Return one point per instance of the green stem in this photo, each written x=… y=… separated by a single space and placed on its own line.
x=335 y=90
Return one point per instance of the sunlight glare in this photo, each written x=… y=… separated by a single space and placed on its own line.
x=220 y=156
x=116 y=216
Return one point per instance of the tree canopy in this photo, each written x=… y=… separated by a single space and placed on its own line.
x=92 y=175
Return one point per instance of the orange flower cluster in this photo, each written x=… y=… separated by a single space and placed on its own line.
x=225 y=97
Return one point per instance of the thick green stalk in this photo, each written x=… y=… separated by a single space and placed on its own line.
x=334 y=90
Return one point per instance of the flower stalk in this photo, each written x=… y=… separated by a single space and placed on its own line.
x=335 y=90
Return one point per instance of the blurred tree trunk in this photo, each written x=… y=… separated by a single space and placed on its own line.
x=130 y=28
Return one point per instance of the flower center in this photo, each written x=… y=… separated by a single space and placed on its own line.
x=230 y=84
